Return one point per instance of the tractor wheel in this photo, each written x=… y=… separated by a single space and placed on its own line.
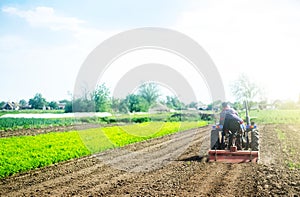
x=254 y=140
x=214 y=139
x=239 y=142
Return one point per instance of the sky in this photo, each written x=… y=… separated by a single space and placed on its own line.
x=43 y=44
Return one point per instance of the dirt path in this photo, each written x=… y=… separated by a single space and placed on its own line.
x=167 y=166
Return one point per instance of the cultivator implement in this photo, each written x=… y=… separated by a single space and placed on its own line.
x=228 y=156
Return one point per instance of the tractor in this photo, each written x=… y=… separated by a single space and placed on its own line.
x=235 y=146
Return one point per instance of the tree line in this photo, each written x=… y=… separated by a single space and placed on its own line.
x=148 y=95
x=100 y=100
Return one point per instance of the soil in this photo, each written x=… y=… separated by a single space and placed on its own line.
x=173 y=165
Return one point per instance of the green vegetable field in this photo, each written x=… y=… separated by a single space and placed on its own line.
x=276 y=116
x=26 y=123
x=19 y=154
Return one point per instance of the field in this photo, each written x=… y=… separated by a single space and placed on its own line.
x=171 y=165
x=23 y=153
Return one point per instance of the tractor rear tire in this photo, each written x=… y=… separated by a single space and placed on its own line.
x=214 y=139
x=254 y=140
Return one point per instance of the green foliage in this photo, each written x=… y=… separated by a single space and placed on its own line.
x=115 y=103
x=121 y=136
x=37 y=102
x=30 y=111
x=97 y=101
x=237 y=106
x=193 y=104
x=136 y=103
x=293 y=165
x=68 y=107
x=53 y=105
x=216 y=106
x=184 y=117
x=150 y=92
x=2 y=103
x=101 y=98
x=22 y=103
x=18 y=154
x=275 y=116
x=174 y=103
x=141 y=119
x=26 y=123
x=288 y=105
x=81 y=105
x=95 y=140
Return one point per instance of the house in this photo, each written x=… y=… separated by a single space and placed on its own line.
x=61 y=105
x=159 y=108
x=10 y=106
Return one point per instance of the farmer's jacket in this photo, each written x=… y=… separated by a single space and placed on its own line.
x=229 y=114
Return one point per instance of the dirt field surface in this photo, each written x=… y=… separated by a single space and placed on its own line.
x=170 y=166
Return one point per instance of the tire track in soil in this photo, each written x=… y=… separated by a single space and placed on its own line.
x=125 y=180
x=151 y=157
x=129 y=177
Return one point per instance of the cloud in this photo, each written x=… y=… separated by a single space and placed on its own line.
x=20 y=53
x=46 y=17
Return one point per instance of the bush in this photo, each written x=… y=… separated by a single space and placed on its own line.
x=141 y=119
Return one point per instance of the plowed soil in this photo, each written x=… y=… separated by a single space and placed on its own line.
x=170 y=166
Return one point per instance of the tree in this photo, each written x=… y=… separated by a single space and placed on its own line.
x=150 y=92
x=81 y=105
x=193 y=104
x=38 y=102
x=53 y=105
x=23 y=103
x=115 y=103
x=245 y=90
x=174 y=103
x=215 y=105
x=136 y=103
x=263 y=104
x=68 y=107
x=238 y=105
x=64 y=101
x=101 y=98
x=2 y=103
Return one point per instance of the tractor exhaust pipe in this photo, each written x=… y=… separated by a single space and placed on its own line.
x=247 y=113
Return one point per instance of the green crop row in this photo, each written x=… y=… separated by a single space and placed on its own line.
x=30 y=111
x=19 y=154
x=120 y=136
x=276 y=116
x=26 y=123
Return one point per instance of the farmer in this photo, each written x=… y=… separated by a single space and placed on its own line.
x=228 y=116
x=230 y=120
